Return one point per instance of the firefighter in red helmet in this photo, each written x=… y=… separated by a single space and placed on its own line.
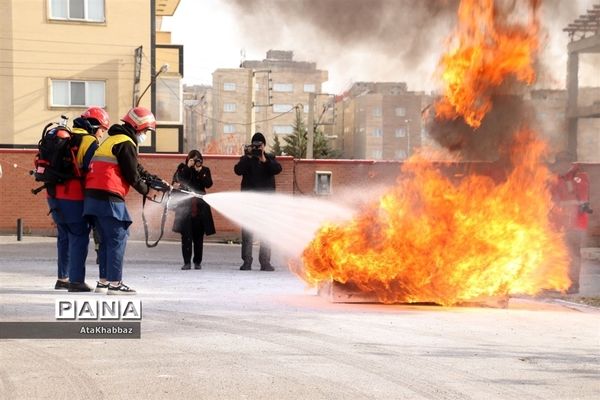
x=97 y=117
x=570 y=191
x=113 y=170
x=66 y=203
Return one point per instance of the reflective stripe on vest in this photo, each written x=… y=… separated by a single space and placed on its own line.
x=105 y=173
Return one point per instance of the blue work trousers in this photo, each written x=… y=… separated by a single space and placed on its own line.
x=73 y=239
x=113 y=240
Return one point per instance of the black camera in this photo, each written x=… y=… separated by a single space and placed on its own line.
x=253 y=149
x=586 y=208
x=198 y=162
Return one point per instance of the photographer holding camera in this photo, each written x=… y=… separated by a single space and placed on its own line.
x=570 y=191
x=193 y=217
x=258 y=170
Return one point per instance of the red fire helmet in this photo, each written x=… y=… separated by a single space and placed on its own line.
x=99 y=115
x=140 y=119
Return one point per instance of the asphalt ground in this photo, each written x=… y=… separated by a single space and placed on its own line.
x=221 y=333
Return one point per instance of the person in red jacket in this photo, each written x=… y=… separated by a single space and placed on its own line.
x=66 y=205
x=571 y=208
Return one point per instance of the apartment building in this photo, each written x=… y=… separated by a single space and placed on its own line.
x=378 y=120
x=198 y=122
x=263 y=96
x=58 y=57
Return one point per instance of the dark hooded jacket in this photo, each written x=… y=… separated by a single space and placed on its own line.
x=257 y=175
x=198 y=182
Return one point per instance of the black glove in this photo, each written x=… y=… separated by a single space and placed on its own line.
x=157 y=184
x=586 y=208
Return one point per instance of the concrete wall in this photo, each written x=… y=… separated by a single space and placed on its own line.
x=351 y=180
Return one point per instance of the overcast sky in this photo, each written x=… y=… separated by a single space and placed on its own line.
x=355 y=40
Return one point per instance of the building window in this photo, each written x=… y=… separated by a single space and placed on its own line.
x=228 y=128
x=168 y=103
x=282 y=108
x=400 y=112
x=309 y=88
x=283 y=87
x=305 y=109
x=77 y=93
x=86 y=10
x=400 y=154
x=377 y=132
x=229 y=87
x=377 y=111
x=400 y=132
x=283 y=129
x=257 y=87
x=376 y=154
x=229 y=107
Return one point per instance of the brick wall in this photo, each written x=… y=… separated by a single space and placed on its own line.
x=18 y=202
x=350 y=178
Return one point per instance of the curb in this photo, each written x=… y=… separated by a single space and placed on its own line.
x=576 y=306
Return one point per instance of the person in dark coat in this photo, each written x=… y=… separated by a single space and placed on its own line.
x=193 y=217
x=258 y=170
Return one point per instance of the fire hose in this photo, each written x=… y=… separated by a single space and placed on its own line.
x=166 y=190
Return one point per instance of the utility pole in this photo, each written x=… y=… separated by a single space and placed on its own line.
x=137 y=73
x=310 y=126
x=253 y=101
x=163 y=68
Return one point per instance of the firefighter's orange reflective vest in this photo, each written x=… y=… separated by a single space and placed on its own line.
x=105 y=173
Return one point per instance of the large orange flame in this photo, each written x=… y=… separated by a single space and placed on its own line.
x=433 y=240
x=485 y=51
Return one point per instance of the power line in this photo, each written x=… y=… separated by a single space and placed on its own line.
x=214 y=119
x=87 y=53
x=66 y=69
x=225 y=122
x=66 y=41
x=61 y=62
x=63 y=79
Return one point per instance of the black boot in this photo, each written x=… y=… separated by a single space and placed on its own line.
x=79 y=287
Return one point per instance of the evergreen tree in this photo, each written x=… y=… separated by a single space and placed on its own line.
x=295 y=144
x=276 y=146
x=321 y=147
